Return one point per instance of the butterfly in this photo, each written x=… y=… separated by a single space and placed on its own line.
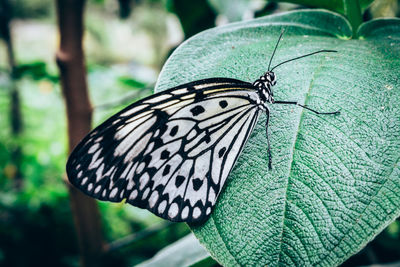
x=172 y=152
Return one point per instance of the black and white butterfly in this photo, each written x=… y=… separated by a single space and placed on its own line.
x=172 y=152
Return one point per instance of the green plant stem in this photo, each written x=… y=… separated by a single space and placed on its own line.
x=352 y=9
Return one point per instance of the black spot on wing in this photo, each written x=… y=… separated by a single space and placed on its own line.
x=199 y=96
x=223 y=103
x=161 y=115
x=191 y=88
x=166 y=169
x=162 y=127
x=147 y=159
x=197 y=110
x=179 y=180
x=221 y=152
x=152 y=171
x=158 y=142
x=174 y=130
x=197 y=183
x=165 y=154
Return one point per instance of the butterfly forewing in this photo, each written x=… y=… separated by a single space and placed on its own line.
x=171 y=152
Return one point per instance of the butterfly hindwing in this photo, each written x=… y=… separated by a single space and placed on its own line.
x=171 y=152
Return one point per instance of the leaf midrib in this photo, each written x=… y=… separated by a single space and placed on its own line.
x=301 y=116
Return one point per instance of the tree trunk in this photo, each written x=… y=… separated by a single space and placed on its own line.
x=70 y=60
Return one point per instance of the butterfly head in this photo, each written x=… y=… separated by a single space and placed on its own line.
x=264 y=85
x=270 y=77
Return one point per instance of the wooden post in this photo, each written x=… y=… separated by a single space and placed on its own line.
x=70 y=60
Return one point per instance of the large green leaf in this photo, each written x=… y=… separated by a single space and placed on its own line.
x=335 y=181
x=184 y=252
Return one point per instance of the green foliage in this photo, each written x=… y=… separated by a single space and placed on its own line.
x=195 y=16
x=236 y=10
x=33 y=230
x=335 y=182
x=334 y=5
x=129 y=81
x=35 y=70
x=31 y=8
x=351 y=9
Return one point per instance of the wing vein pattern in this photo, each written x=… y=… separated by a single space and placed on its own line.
x=171 y=152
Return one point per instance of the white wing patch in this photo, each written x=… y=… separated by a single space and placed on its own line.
x=133 y=110
x=130 y=136
x=170 y=153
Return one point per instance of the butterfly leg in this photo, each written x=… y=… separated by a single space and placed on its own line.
x=310 y=109
x=268 y=144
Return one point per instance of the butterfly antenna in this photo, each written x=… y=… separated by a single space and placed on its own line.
x=276 y=46
x=313 y=53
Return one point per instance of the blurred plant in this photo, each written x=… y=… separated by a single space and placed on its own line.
x=27 y=9
x=384 y=8
x=36 y=70
x=195 y=16
x=15 y=115
x=237 y=10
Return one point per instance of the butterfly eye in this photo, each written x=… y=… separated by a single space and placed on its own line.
x=272 y=75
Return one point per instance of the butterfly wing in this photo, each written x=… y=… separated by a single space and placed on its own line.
x=171 y=152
